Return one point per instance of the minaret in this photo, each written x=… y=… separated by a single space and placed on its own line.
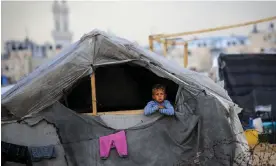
x=56 y=13
x=64 y=16
x=61 y=34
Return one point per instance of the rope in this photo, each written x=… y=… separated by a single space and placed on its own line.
x=213 y=29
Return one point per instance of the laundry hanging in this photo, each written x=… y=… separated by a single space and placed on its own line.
x=15 y=153
x=26 y=155
x=117 y=140
x=42 y=152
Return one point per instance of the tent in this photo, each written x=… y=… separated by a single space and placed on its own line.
x=99 y=86
x=6 y=88
x=250 y=80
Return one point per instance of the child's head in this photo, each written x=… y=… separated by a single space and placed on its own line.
x=158 y=93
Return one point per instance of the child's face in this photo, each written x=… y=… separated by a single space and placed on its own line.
x=159 y=95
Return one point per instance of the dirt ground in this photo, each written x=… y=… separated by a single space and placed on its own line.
x=264 y=155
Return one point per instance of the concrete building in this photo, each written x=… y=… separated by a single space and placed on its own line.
x=22 y=57
x=203 y=52
x=262 y=41
x=17 y=65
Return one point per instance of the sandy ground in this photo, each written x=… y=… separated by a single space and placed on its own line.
x=264 y=155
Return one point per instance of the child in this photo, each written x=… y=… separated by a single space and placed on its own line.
x=159 y=103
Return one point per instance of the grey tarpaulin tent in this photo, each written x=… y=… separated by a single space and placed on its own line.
x=46 y=108
x=252 y=86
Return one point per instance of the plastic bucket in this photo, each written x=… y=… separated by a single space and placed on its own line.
x=251 y=136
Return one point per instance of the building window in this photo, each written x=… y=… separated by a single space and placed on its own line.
x=13 y=47
x=242 y=42
x=204 y=44
x=233 y=43
x=7 y=68
x=189 y=53
x=20 y=47
x=228 y=43
x=262 y=50
x=58 y=46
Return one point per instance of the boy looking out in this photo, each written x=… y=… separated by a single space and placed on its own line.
x=159 y=102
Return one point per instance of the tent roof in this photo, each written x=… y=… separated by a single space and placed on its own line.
x=46 y=84
x=6 y=88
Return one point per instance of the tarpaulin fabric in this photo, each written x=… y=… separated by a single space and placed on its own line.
x=244 y=72
x=265 y=98
x=33 y=132
x=204 y=130
x=165 y=141
x=44 y=86
x=250 y=80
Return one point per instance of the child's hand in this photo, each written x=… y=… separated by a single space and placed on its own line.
x=161 y=107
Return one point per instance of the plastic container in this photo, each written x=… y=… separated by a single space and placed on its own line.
x=268 y=127
x=258 y=125
x=251 y=136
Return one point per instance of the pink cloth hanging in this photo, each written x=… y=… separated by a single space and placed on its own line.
x=117 y=140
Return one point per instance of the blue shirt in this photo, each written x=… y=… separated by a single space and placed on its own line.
x=153 y=106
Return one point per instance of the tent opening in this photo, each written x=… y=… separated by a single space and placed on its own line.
x=120 y=87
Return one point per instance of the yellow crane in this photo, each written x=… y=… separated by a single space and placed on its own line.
x=162 y=38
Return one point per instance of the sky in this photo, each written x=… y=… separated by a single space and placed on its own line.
x=131 y=20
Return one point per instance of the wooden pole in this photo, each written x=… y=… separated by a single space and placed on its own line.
x=186 y=54
x=151 y=43
x=165 y=48
x=93 y=92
